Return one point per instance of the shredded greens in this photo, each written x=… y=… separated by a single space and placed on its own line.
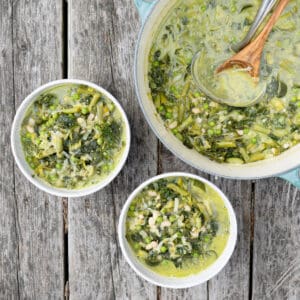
x=72 y=136
x=174 y=221
x=220 y=132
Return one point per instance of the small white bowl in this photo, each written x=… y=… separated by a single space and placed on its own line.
x=176 y=282
x=19 y=154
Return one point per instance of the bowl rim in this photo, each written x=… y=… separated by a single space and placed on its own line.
x=215 y=267
x=21 y=162
x=271 y=167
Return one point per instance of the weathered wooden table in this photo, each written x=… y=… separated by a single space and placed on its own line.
x=53 y=248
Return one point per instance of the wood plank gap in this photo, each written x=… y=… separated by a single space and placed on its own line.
x=207 y=290
x=158 y=293
x=14 y=164
x=65 y=37
x=252 y=220
x=13 y=62
x=17 y=225
x=67 y=291
x=159 y=159
x=66 y=247
x=112 y=86
x=115 y=239
x=17 y=230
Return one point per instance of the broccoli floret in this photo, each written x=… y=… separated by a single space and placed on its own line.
x=66 y=121
x=153 y=259
x=89 y=147
x=112 y=133
x=136 y=237
x=214 y=227
x=86 y=99
x=48 y=100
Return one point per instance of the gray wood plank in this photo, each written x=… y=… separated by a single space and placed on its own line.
x=91 y=239
x=198 y=292
x=37 y=42
x=233 y=281
x=8 y=230
x=102 y=36
x=276 y=260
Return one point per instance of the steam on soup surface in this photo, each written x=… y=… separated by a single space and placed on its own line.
x=224 y=133
x=177 y=226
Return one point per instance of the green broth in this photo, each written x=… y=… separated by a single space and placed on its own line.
x=220 y=132
x=178 y=226
x=73 y=136
x=233 y=86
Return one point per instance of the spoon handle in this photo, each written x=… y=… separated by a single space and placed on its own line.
x=262 y=37
x=253 y=52
x=250 y=56
x=264 y=9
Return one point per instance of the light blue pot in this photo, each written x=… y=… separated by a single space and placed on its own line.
x=285 y=166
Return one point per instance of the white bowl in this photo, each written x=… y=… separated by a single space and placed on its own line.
x=175 y=282
x=19 y=154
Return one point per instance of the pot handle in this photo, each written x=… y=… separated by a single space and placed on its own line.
x=144 y=7
x=293 y=177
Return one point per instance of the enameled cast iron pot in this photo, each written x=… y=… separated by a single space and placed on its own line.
x=285 y=165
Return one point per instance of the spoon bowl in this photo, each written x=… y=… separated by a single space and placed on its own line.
x=247 y=61
x=226 y=87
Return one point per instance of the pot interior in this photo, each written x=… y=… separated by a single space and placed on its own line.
x=266 y=168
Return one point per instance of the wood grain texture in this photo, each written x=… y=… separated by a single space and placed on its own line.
x=102 y=36
x=101 y=50
x=142 y=161
x=8 y=230
x=276 y=260
x=37 y=43
x=197 y=293
x=233 y=282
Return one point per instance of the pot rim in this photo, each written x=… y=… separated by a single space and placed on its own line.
x=232 y=172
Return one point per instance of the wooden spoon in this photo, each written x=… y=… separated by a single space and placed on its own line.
x=249 y=58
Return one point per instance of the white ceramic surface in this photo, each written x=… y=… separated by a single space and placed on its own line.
x=173 y=282
x=287 y=161
x=19 y=155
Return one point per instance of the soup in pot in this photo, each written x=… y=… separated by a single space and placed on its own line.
x=221 y=132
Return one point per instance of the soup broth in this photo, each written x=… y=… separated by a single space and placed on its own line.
x=178 y=226
x=72 y=136
x=221 y=132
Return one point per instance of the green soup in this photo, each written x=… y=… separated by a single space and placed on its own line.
x=221 y=132
x=73 y=136
x=177 y=226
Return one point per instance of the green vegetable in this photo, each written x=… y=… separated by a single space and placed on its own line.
x=66 y=121
x=220 y=132
x=174 y=221
x=78 y=144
